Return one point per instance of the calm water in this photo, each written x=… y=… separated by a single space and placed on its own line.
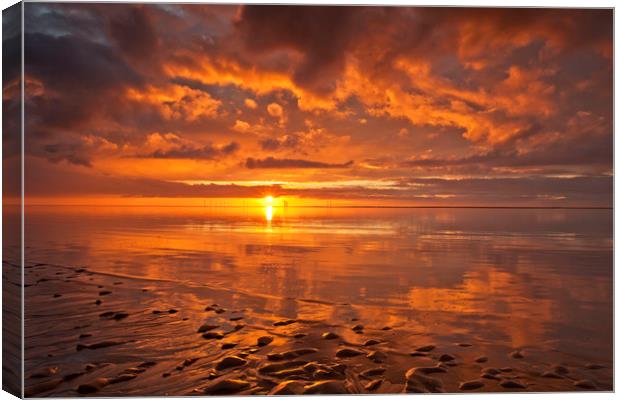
x=540 y=278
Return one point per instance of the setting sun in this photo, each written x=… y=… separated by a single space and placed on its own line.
x=269 y=199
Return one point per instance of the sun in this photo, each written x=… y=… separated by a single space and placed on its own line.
x=268 y=199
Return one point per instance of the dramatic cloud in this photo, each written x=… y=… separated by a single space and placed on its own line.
x=271 y=162
x=252 y=93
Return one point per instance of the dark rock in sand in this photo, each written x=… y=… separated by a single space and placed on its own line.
x=348 y=352
x=270 y=368
x=386 y=328
x=288 y=355
x=56 y=295
x=492 y=371
x=288 y=388
x=123 y=378
x=427 y=348
x=120 y=315
x=93 y=387
x=372 y=372
x=371 y=342
x=220 y=311
x=446 y=357
x=45 y=372
x=227 y=386
x=104 y=292
x=329 y=335
x=377 y=356
x=226 y=346
x=89 y=367
x=481 y=359
x=300 y=335
x=213 y=335
x=509 y=384
x=516 y=354
x=97 y=302
x=100 y=345
x=431 y=370
x=594 y=366
x=230 y=362
x=464 y=345
x=165 y=374
x=264 y=341
x=416 y=382
x=373 y=385
x=326 y=387
x=358 y=327
x=172 y=311
x=490 y=376
x=471 y=385
x=418 y=354
x=506 y=369
x=147 y=364
x=551 y=374
x=85 y=335
x=71 y=376
x=235 y=318
x=284 y=323
x=238 y=327
x=585 y=384
x=107 y=314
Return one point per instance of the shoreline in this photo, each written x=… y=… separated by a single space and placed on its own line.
x=129 y=336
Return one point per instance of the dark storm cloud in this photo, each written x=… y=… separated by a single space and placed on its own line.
x=271 y=162
x=207 y=152
x=134 y=34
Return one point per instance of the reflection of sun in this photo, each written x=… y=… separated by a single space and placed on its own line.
x=269 y=213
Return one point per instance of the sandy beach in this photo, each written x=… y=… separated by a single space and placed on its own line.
x=95 y=334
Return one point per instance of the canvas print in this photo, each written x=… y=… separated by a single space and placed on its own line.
x=243 y=199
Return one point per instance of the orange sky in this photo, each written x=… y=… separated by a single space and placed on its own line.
x=374 y=105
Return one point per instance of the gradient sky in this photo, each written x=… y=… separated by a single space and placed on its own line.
x=370 y=104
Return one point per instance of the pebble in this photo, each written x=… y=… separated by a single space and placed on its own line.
x=230 y=362
x=226 y=346
x=372 y=372
x=418 y=354
x=287 y=388
x=100 y=345
x=264 y=341
x=97 y=302
x=123 y=378
x=371 y=342
x=287 y=355
x=238 y=327
x=348 y=352
x=45 y=372
x=512 y=385
x=300 y=335
x=358 y=327
x=420 y=383
x=207 y=327
x=172 y=311
x=464 y=344
x=594 y=366
x=431 y=370
x=93 y=387
x=551 y=374
x=85 y=335
x=235 y=318
x=377 y=356
x=120 y=315
x=516 y=354
x=386 y=328
x=490 y=376
x=104 y=292
x=326 y=387
x=285 y=322
x=585 y=384
x=270 y=368
x=492 y=371
x=427 y=348
x=481 y=359
x=506 y=369
x=329 y=335
x=373 y=385
x=213 y=335
x=446 y=357
x=471 y=385
x=56 y=295
x=227 y=386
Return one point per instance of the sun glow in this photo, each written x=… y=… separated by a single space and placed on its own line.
x=268 y=199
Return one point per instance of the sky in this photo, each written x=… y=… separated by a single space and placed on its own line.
x=368 y=105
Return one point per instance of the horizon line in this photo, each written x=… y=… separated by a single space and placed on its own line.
x=328 y=206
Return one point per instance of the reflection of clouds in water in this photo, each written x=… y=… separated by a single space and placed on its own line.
x=508 y=274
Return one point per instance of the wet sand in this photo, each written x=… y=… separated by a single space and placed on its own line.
x=97 y=334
